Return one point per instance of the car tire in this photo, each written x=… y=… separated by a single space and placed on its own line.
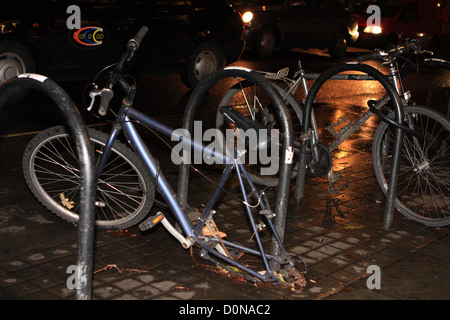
x=339 y=46
x=15 y=59
x=205 y=60
x=266 y=42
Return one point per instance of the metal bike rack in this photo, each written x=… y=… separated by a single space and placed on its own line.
x=87 y=168
x=399 y=115
x=285 y=134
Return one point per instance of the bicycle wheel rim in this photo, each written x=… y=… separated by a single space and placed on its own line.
x=120 y=197
x=423 y=190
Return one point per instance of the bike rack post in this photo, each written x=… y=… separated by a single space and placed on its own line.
x=87 y=168
x=285 y=134
x=399 y=115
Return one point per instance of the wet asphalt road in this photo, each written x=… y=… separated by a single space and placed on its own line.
x=164 y=96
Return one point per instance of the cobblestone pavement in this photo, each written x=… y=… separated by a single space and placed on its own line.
x=337 y=247
x=339 y=237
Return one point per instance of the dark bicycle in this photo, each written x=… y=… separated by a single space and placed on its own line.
x=424 y=188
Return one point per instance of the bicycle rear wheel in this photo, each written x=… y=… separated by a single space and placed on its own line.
x=252 y=102
x=125 y=191
x=423 y=193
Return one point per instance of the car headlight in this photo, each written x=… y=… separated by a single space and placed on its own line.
x=247 y=17
x=373 y=29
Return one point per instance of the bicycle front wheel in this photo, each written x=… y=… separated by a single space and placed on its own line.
x=125 y=191
x=423 y=193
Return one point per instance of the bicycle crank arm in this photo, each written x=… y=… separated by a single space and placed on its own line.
x=159 y=217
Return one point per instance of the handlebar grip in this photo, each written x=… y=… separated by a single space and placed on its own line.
x=136 y=40
x=375 y=55
x=106 y=96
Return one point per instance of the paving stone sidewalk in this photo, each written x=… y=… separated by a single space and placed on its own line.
x=337 y=236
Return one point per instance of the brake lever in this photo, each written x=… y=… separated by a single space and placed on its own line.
x=92 y=94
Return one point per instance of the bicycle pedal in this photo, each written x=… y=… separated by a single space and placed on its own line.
x=268 y=213
x=150 y=222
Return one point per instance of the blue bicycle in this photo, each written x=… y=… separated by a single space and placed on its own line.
x=128 y=179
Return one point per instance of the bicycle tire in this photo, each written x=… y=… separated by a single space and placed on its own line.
x=125 y=191
x=266 y=118
x=424 y=184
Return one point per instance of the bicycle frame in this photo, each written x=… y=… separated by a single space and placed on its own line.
x=124 y=121
x=350 y=128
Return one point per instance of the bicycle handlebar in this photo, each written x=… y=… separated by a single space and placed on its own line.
x=106 y=94
x=410 y=45
x=375 y=55
x=136 y=41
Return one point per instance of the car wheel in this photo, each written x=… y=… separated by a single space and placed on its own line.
x=266 y=42
x=339 y=46
x=205 y=60
x=15 y=59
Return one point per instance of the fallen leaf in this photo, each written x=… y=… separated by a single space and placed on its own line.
x=65 y=201
x=352 y=226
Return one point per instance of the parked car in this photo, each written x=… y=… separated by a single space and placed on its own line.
x=269 y=24
x=400 y=20
x=193 y=37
